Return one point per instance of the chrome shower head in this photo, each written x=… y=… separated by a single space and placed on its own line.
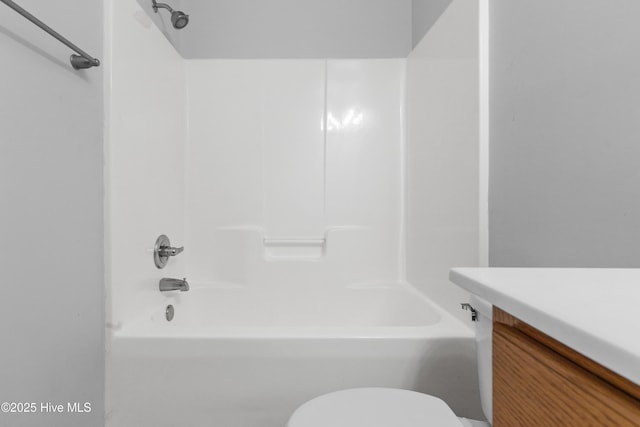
x=179 y=19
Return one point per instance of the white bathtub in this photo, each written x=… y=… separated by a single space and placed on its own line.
x=247 y=357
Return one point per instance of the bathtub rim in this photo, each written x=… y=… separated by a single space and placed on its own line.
x=447 y=325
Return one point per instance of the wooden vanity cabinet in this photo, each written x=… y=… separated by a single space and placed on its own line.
x=538 y=381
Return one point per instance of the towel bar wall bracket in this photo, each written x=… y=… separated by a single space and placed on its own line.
x=79 y=60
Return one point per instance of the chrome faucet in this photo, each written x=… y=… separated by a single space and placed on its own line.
x=167 y=284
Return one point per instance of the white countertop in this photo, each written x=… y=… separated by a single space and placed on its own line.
x=594 y=311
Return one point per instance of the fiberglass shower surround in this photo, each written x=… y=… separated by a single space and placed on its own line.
x=274 y=178
x=287 y=190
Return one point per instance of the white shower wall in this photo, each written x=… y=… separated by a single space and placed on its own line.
x=444 y=194
x=145 y=159
x=289 y=172
x=294 y=171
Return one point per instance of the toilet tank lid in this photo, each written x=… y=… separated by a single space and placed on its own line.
x=481 y=306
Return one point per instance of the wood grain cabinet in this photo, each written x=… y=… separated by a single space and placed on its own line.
x=538 y=381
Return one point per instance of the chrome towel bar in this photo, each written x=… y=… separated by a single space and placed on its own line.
x=79 y=61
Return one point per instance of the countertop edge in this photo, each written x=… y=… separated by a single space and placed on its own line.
x=606 y=353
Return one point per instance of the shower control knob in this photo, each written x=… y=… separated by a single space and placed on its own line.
x=166 y=251
x=163 y=250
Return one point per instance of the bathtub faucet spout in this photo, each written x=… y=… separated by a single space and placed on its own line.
x=167 y=284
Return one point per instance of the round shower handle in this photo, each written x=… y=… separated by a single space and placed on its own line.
x=163 y=250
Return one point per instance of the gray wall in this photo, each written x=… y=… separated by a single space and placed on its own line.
x=51 y=229
x=565 y=133
x=297 y=29
x=425 y=13
x=291 y=28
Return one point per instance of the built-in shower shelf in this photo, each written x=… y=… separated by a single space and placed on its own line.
x=288 y=248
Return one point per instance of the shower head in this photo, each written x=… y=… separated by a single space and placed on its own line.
x=179 y=19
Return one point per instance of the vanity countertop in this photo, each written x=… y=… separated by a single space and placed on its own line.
x=594 y=311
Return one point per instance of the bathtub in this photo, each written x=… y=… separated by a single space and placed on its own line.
x=238 y=356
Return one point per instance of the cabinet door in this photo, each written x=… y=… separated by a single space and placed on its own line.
x=535 y=386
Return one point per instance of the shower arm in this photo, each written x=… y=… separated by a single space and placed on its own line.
x=157 y=6
x=79 y=61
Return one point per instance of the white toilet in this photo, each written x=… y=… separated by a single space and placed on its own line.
x=388 y=407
